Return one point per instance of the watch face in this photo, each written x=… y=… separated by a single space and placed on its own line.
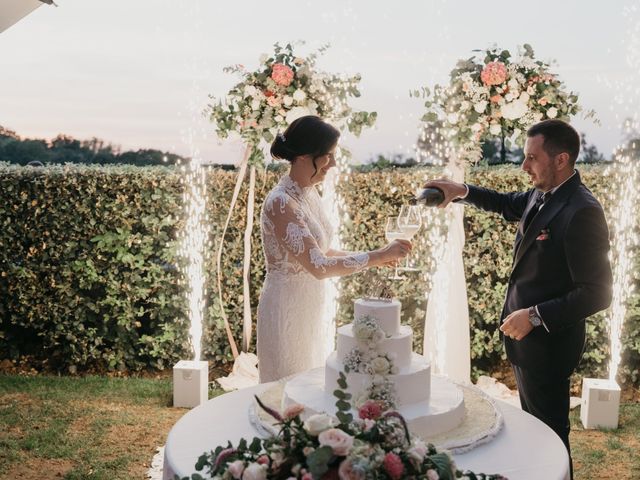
x=534 y=319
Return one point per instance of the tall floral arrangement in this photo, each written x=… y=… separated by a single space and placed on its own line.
x=495 y=94
x=285 y=86
x=376 y=444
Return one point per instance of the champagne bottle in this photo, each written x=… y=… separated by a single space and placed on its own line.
x=430 y=197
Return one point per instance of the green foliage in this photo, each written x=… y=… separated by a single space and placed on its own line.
x=89 y=269
x=88 y=273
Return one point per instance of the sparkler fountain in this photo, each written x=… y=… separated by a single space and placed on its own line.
x=601 y=397
x=191 y=377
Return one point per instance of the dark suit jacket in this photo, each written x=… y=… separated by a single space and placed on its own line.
x=560 y=264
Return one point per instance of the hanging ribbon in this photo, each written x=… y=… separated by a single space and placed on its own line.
x=234 y=199
x=246 y=294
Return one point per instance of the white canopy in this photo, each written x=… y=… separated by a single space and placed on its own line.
x=13 y=10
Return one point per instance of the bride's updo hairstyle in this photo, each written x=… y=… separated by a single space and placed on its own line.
x=308 y=135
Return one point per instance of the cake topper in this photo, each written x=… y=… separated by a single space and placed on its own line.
x=380 y=287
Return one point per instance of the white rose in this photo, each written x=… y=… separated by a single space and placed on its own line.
x=255 y=471
x=236 y=468
x=278 y=118
x=418 y=451
x=313 y=107
x=481 y=106
x=380 y=365
x=452 y=118
x=297 y=112
x=287 y=100
x=530 y=90
x=378 y=336
x=263 y=58
x=255 y=105
x=495 y=129
x=524 y=97
x=514 y=110
x=509 y=97
x=299 y=96
x=552 y=112
x=250 y=91
x=513 y=84
x=476 y=127
x=537 y=117
x=318 y=423
x=464 y=106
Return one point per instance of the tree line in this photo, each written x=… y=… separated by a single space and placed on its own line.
x=66 y=149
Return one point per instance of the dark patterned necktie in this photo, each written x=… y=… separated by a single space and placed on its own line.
x=534 y=210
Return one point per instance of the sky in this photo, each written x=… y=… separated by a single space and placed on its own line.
x=138 y=73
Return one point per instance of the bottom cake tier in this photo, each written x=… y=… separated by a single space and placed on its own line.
x=443 y=411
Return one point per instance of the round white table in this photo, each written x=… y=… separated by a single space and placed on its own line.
x=525 y=448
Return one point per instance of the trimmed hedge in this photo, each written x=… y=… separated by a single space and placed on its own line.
x=89 y=273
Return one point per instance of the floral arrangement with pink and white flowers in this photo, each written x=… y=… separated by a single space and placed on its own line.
x=493 y=94
x=376 y=444
x=285 y=87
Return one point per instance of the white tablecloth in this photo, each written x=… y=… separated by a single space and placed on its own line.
x=525 y=448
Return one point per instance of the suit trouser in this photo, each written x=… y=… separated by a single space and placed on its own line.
x=546 y=397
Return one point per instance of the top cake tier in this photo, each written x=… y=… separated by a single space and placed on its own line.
x=385 y=313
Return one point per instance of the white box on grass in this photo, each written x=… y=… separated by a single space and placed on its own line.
x=190 y=383
x=600 y=405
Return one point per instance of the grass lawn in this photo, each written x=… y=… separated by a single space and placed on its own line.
x=108 y=428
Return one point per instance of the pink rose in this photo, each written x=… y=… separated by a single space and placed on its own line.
x=281 y=74
x=274 y=101
x=236 y=468
x=293 y=411
x=346 y=471
x=263 y=460
x=339 y=441
x=370 y=410
x=393 y=466
x=495 y=98
x=307 y=476
x=543 y=101
x=432 y=474
x=493 y=73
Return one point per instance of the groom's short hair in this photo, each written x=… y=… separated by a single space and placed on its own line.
x=559 y=137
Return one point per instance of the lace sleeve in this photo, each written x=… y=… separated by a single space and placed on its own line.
x=292 y=232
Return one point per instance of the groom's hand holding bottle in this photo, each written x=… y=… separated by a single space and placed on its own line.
x=448 y=188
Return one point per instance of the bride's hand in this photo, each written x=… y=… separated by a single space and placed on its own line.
x=395 y=250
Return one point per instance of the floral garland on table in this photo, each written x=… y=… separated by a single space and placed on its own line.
x=495 y=94
x=377 y=444
x=283 y=88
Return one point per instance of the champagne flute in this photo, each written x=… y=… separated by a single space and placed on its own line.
x=393 y=231
x=410 y=221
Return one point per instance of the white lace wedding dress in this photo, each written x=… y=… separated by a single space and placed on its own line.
x=296 y=235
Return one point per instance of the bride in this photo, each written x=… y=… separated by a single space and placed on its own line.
x=296 y=235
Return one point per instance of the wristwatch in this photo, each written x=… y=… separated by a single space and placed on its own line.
x=535 y=320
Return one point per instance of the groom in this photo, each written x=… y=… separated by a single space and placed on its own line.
x=560 y=273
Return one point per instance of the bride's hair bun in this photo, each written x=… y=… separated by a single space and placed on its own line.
x=309 y=135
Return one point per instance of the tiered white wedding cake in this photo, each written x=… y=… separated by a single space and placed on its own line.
x=376 y=353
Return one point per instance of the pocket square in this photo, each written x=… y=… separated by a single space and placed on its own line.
x=544 y=234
